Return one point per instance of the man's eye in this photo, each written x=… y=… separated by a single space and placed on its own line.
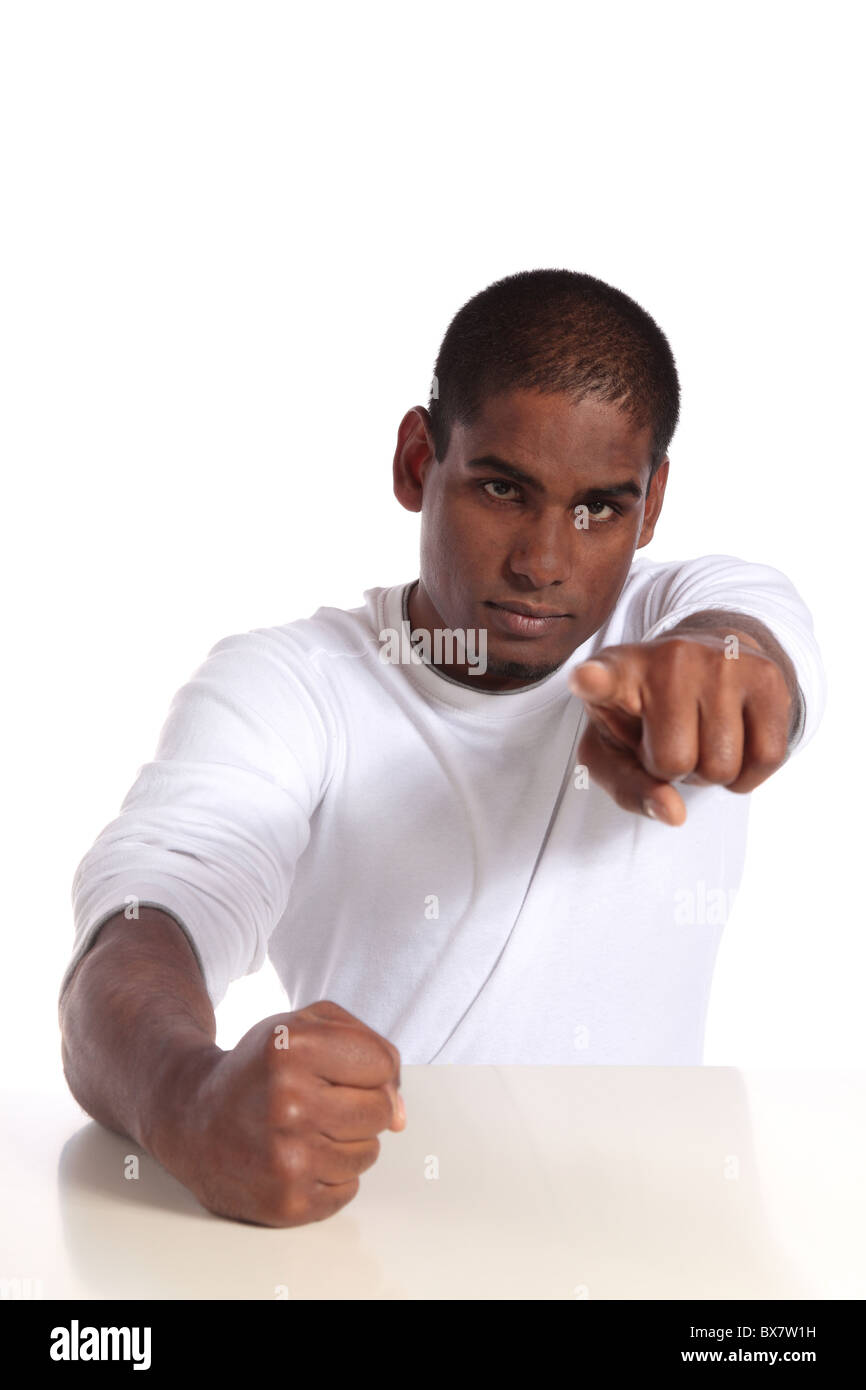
x=605 y=507
x=497 y=482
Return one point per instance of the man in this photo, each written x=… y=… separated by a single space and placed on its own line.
x=512 y=839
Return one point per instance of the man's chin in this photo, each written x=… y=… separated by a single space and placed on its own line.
x=520 y=670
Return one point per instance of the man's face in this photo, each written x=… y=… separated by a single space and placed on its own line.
x=498 y=530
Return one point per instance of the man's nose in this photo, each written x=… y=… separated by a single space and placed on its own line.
x=543 y=552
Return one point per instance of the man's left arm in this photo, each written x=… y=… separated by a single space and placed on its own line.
x=712 y=700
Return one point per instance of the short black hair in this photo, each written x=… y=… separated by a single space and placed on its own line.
x=555 y=331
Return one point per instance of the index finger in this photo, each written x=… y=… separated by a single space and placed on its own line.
x=609 y=680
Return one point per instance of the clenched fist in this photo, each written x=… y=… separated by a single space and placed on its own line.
x=686 y=706
x=278 y=1129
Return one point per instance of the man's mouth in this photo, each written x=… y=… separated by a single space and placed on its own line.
x=524 y=619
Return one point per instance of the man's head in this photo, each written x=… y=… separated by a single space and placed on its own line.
x=573 y=388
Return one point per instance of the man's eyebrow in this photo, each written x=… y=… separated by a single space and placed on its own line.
x=626 y=489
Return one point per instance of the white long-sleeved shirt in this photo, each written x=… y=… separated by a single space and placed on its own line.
x=422 y=853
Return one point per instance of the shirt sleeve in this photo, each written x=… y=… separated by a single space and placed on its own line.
x=212 y=828
x=677 y=590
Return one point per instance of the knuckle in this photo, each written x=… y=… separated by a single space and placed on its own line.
x=282 y=1049
x=769 y=754
x=284 y=1102
x=318 y=1204
x=334 y=1201
x=670 y=761
x=286 y=1197
x=289 y=1112
x=301 y=1033
x=295 y=1209
x=295 y=1165
x=678 y=765
x=771 y=673
x=326 y=1011
x=677 y=652
x=770 y=680
x=273 y=1056
x=718 y=769
x=720 y=762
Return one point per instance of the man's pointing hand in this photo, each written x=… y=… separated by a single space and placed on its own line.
x=694 y=707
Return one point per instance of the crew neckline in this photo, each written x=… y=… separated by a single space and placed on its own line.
x=393 y=608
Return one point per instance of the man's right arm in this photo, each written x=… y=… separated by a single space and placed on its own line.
x=275 y=1131
x=136 y=1022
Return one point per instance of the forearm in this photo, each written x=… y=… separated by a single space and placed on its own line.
x=135 y=1018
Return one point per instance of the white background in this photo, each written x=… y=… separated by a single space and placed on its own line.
x=233 y=237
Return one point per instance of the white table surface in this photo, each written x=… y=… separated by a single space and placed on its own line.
x=553 y=1183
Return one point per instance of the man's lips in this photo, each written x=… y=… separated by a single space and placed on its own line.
x=524 y=619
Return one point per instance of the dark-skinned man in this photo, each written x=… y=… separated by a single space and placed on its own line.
x=494 y=815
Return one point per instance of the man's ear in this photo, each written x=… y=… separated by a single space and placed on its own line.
x=412 y=457
x=654 y=498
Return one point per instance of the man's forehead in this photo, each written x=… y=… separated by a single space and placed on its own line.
x=534 y=427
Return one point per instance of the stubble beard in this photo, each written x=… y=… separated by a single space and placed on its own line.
x=519 y=670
